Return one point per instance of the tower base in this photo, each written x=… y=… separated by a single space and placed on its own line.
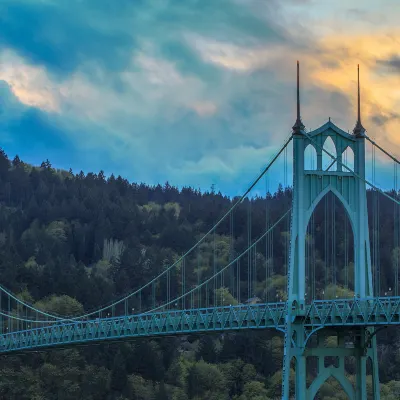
x=321 y=354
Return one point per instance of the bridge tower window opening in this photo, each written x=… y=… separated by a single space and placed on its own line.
x=310 y=158
x=348 y=159
x=327 y=161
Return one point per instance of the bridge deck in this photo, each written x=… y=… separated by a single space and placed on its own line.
x=330 y=313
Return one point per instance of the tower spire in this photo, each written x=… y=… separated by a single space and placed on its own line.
x=298 y=126
x=358 y=129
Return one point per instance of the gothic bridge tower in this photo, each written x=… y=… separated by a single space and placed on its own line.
x=309 y=187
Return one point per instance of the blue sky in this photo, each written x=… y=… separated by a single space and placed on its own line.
x=194 y=92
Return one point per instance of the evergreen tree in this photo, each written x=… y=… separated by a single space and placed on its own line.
x=16 y=161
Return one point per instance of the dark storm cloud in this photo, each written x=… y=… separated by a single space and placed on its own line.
x=393 y=63
x=62 y=35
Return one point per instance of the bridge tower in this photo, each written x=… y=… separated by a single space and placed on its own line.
x=309 y=187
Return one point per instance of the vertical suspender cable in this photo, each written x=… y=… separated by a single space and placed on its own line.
x=215 y=271
x=249 y=269
x=326 y=243
x=198 y=278
x=238 y=282
x=267 y=240
x=231 y=256
x=254 y=270
x=396 y=233
x=314 y=255
x=306 y=261
x=183 y=282
x=334 y=244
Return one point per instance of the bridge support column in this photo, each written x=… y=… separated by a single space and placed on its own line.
x=294 y=348
x=375 y=370
x=331 y=362
x=330 y=349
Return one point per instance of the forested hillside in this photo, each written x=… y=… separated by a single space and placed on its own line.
x=56 y=232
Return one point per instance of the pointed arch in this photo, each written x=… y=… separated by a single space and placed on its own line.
x=345 y=204
x=326 y=374
x=328 y=208
x=348 y=158
x=310 y=158
x=330 y=147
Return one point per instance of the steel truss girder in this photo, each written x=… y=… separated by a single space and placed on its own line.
x=371 y=312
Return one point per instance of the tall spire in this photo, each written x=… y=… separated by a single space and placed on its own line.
x=298 y=126
x=358 y=129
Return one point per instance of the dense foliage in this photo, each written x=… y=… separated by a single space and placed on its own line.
x=57 y=231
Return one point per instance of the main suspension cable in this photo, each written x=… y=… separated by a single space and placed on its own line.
x=177 y=262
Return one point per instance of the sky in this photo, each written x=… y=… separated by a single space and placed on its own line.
x=194 y=92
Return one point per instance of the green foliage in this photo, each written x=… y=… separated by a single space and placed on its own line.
x=102 y=269
x=338 y=292
x=57 y=230
x=112 y=250
x=60 y=305
x=70 y=243
x=253 y=390
x=331 y=389
x=206 y=381
x=175 y=208
x=224 y=298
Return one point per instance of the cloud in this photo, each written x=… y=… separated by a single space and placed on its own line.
x=372 y=17
x=63 y=34
x=183 y=91
x=30 y=133
x=30 y=84
x=236 y=167
x=393 y=63
x=381 y=118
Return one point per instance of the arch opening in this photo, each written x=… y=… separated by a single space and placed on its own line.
x=331 y=389
x=329 y=251
x=348 y=159
x=310 y=158
x=327 y=163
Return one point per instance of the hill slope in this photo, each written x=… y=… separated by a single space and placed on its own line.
x=72 y=243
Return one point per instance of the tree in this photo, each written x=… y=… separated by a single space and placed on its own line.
x=206 y=349
x=206 y=380
x=46 y=164
x=119 y=378
x=16 y=161
x=60 y=305
x=254 y=391
x=69 y=244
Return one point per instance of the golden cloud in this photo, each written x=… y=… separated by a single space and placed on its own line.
x=29 y=84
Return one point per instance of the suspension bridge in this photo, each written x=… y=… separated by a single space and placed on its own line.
x=220 y=285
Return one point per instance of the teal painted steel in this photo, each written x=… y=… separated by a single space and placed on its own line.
x=309 y=188
x=257 y=316
x=349 y=313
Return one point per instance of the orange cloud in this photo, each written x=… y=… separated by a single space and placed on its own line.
x=29 y=84
x=380 y=88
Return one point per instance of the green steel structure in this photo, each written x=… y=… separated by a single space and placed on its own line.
x=218 y=286
x=333 y=316
x=309 y=187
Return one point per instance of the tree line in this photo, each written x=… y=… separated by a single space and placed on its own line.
x=72 y=242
